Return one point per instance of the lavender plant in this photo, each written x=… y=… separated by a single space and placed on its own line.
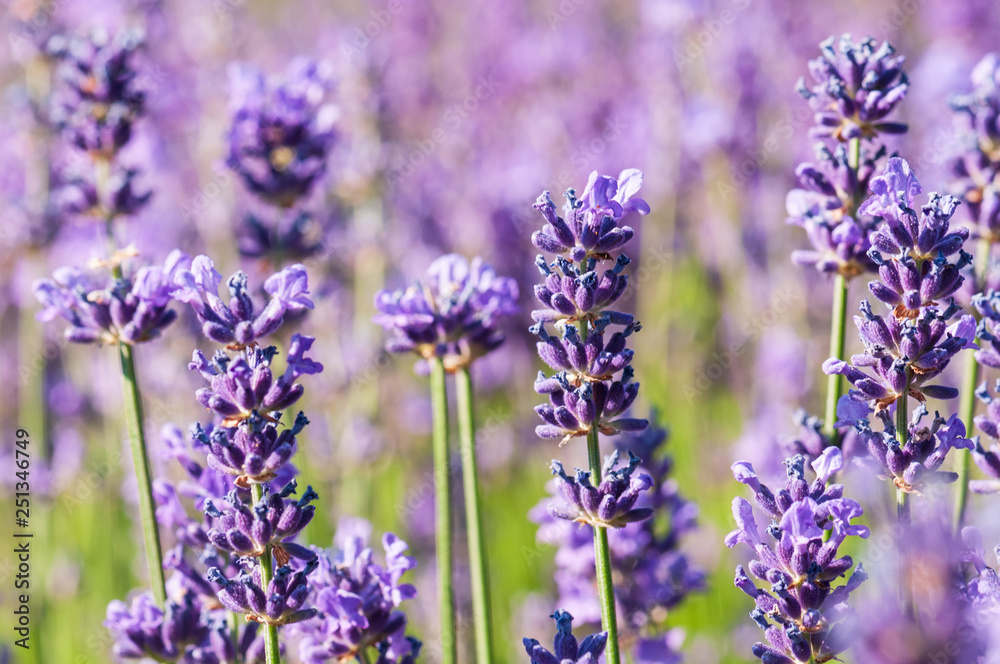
x=449 y=321
x=585 y=396
x=975 y=170
x=856 y=87
x=95 y=106
x=812 y=621
x=281 y=135
x=911 y=344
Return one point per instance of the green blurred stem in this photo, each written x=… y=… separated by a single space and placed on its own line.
x=903 y=508
x=602 y=552
x=835 y=382
x=443 y=519
x=134 y=419
x=967 y=404
x=363 y=656
x=477 y=550
x=272 y=654
x=234 y=633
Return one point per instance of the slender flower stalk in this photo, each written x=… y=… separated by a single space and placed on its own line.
x=903 y=510
x=134 y=419
x=481 y=612
x=585 y=396
x=449 y=321
x=443 y=514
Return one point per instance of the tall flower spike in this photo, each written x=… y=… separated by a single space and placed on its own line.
x=856 y=87
x=809 y=618
x=454 y=314
x=282 y=130
x=567 y=650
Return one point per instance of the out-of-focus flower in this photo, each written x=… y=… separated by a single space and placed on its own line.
x=856 y=87
x=282 y=129
x=131 y=310
x=454 y=314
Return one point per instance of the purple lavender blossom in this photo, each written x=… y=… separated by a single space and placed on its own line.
x=913 y=466
x=282 y=130
x=983 y=589
x=856 y=87
x=240 y=324
x=812 y=621
x=570 y=294
x=99 y=95
x=274 y=521
x=977 y=167
x=567 y=650
x=612 y=503
x=575 y=411
x=128 y=310
x=592 y=223
x=283 y=602
x=454 y=314
x=359 y=601
x=824 y=207
x=246 y=385
x=988 y=460
x=184 y=632
x=914 y=343
x=254 y=453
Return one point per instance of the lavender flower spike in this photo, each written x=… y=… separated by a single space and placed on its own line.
x=811 y=620
x=567 y=650
x=612 y=503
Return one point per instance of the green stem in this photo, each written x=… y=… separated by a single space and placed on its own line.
x=271 y=652
x=835 y=382
x=363 y=656
x=602 y=559
x=234 y=633
x=967 y=404
x=442 y=502
x=134 y=419
x=903 y=507
x=477 y=550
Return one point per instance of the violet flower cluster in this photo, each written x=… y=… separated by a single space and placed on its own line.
x=856 y=87
x=579 y=300
x=976 y=168
x=98 y=97
x=103 y=309
x=359 y=601
x=804 y=615
x=282 y=132
x=912 y=344
x=455 y=313
x=652 y=574
x=217 y=561
x=988 y=459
